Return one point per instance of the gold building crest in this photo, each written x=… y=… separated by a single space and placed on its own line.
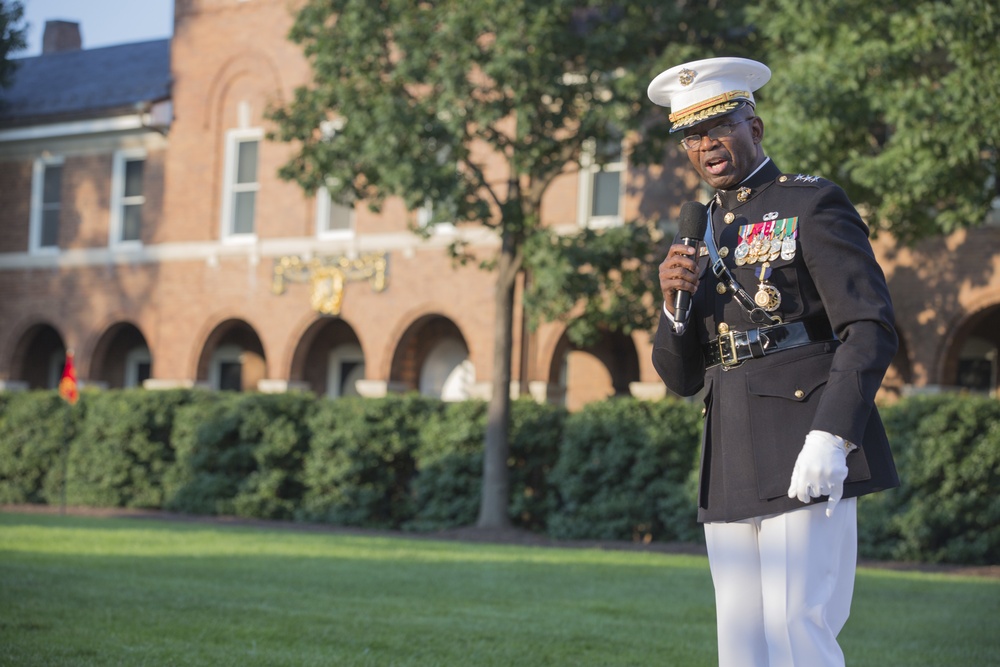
x=328 y=275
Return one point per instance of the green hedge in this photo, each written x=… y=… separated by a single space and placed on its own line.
x=620 y=469
x=121 y=448
x=448 y=462
x=240 y=454
x=947 y=510
x=449 y=465
x=361 y=460
x=35 y=429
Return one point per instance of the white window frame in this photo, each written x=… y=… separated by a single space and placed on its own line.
x=118 y=198
x=56 y=366
x=426 y=213
x=224 y=354
x=324 y=206
x=345 y=353
x=425 y=217
x=233 y=139
x=37 y=193
x=136 y=357
x=589 y=168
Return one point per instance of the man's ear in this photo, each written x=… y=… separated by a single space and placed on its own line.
x=757 y=129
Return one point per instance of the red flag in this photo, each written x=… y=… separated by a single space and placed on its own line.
x=67 y=385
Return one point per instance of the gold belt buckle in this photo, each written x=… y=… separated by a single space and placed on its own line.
x=727 y=342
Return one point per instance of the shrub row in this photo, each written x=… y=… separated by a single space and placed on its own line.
x=402 y=461
x=947 y=509
x=618 y=470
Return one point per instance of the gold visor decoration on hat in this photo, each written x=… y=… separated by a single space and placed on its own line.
x=708 y=109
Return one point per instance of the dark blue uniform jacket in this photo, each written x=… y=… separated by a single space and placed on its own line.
x=757 y=414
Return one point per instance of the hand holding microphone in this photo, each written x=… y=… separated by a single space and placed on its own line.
x=679 y=271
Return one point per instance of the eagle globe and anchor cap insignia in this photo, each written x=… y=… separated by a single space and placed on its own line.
x=686 y=77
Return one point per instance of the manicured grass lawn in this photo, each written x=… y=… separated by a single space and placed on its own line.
x=98 y=591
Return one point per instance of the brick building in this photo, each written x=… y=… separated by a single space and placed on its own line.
x=142 y=225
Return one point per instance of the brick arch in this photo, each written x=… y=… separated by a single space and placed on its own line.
x=311 y=353
x=35 y=340
x=615 y=352
x=106 y=361
x=231 y=331
x=415 y=343
x=980 y=319
x=260 y=75
x=254 y=65
x=12 y=339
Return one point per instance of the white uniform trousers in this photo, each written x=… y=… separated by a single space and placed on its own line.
x=783 y=586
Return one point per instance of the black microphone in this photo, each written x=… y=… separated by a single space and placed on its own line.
x=691 y=230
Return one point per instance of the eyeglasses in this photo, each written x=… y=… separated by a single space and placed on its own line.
x=693 y=142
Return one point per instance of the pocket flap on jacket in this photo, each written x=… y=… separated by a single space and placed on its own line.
x=794 y=380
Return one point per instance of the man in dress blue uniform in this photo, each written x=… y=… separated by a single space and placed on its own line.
x=789 y=335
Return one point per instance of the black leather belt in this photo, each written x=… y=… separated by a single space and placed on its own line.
x=732 y=348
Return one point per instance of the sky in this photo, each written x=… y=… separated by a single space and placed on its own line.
x=102 y=22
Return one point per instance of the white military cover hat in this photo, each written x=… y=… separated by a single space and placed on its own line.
x=703 y=89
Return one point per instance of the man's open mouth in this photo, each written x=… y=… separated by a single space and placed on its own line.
x=716 y=165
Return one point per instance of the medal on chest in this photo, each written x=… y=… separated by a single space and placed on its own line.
x=768 y=297
x=791 y=231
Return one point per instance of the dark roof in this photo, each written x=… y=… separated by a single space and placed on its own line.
x=86 y=83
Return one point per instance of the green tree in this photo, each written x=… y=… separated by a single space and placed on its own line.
x=405 y=96
x=899 y=102
x=11 y=38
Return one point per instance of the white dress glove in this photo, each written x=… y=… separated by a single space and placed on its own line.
x=820 y=469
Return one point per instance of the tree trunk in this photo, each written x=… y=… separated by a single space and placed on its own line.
x=495 y=497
